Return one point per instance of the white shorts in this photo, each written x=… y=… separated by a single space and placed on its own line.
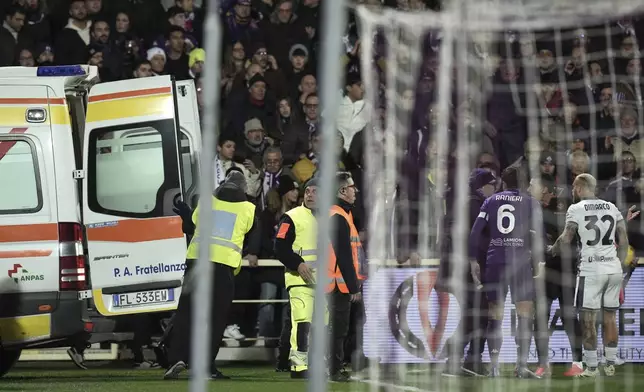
x=595 y=292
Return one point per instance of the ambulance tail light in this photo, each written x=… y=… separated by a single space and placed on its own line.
x=71 y=258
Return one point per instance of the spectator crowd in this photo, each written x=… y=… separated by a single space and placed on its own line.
x=587 y=94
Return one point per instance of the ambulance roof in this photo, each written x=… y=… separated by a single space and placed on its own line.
x=71 y=75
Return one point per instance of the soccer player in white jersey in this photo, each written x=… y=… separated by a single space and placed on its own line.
x=600 y=225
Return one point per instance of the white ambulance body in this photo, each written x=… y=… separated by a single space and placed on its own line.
x=89 y=173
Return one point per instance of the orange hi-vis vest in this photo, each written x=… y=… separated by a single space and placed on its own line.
x=357 y=253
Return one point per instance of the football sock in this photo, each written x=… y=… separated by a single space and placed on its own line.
x=611 y=354
x=494 y=340
x=577 y=355
x=541 y=341
x=591 y=358
x=524 y=335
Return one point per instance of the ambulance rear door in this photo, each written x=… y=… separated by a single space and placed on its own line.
x=189 y=137
x=133 y=172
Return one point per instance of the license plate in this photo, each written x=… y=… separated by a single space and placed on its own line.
x=143 y=298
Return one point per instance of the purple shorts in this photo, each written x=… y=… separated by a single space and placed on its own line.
x=518 y=277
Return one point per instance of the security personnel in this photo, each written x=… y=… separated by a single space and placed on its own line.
x=346 y=261
x=234 y=220
x=296 y=248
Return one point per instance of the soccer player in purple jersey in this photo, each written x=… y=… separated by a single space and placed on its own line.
x=508 y=218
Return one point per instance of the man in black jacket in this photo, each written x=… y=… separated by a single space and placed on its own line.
x=229 y=198
x=346 y=288
x=296 y=248
x=482 y=184
x=559 y=275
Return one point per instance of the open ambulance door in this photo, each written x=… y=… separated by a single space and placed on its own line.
x=133 y=172
x=189 y=138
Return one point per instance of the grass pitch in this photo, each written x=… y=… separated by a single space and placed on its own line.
x=63 y=377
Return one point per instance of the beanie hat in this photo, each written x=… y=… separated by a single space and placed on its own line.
x=235 y=178
x=286 y=184
x=196 y=55
x=480 y=178
x=298 y=50
x=92 y=49
x=234 y=169
x=155 y=52
x=313 y=181
x=252 y=124
x=255 y=79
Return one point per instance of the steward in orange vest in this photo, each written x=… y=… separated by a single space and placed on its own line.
x=345 y=260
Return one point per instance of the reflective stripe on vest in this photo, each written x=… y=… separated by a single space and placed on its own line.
x=220 y=242
x=307 y=254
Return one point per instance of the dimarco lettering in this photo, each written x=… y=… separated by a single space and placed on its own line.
x=597 y=207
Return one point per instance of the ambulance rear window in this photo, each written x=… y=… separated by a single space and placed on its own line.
x=134 y=169
x=21 y=193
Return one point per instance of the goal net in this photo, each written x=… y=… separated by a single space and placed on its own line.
x=550 y=87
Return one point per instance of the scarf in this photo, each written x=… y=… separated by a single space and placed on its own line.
x=313 y=126
x=271 y=180
x=220 y=172
x=311 y=156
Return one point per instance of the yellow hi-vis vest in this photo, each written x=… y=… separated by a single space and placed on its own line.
x=231 y=223
x=305 y=244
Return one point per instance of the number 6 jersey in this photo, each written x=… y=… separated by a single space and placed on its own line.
x=509 y=218
x=596 y=221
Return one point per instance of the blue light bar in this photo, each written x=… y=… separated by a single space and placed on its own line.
x=62 y=70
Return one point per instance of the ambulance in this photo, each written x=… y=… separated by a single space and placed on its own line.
x=88 y=174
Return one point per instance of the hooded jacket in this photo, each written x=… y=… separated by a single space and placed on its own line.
x=232 y=190
x=478 y=178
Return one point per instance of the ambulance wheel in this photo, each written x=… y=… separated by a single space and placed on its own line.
x=8 y=358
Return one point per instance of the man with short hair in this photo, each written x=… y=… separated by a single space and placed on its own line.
x=143 y=69
x=297 y=135
x=100 y=32
x=353 y=115
x=296 y=248
x=72 y=41
x=274 y=170
x=12 y=34
x=111 y=64
x=347 y=261
x=177 y=60
x=224 y=161
x=559 y=278
x=600 y=226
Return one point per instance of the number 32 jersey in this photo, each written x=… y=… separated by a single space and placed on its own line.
x=596 y=221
